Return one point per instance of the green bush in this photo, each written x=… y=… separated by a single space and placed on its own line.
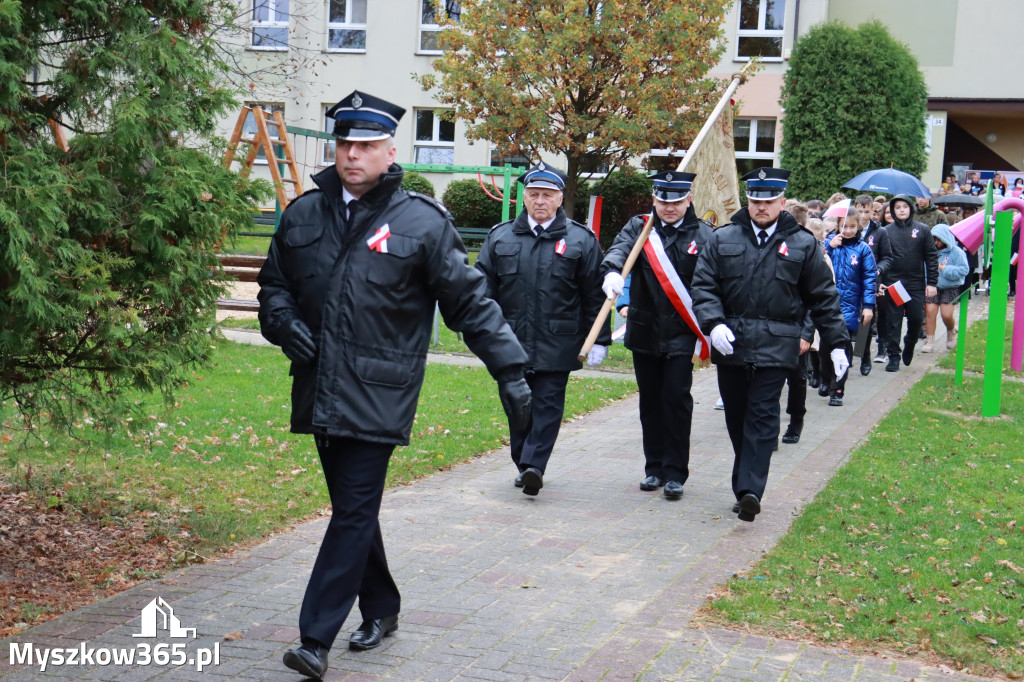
x=835 y=127
x=626 y=193
x=414 y=182
x=470 y=206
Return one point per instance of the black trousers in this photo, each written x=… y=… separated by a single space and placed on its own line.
x=351 y=562
x=532 y=447
x=894 y=314
x=666 y=412
x=796 y=399
x=751 y=396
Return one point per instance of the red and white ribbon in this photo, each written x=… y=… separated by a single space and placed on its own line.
x=560 y=247
x=674 y=288
x=784 y=249
x=379 y=241
x=692 y=249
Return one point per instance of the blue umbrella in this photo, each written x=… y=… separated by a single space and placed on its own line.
x=889 y=181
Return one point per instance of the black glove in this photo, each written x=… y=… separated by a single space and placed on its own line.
x=297 y=342
x=517 y=401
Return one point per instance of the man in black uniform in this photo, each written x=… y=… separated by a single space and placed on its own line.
x=543 y=270
x=756 y=280
x=915 y=263
x=662 y=331
x=348 y=292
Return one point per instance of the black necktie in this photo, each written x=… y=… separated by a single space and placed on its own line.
x=763 y=236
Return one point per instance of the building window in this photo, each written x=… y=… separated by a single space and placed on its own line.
x=249 y=128
x=659 y=160
x=346 y=25
x=435 y=137
x=270 y=24
x=760 y=29
x=754 y=139
x=430 y=30
x=515 y=160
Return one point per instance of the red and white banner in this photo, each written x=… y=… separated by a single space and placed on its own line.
x=674 y=288
x=379 y=241
x=898 y=293
x=594 y=214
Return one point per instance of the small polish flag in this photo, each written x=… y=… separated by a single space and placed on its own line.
x=898 y=293
x=379 y=241
x=692 y=249
x=1013 y=258
x=784 y=249
x=560 y=247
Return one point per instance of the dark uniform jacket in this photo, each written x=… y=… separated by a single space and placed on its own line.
x=764 y=295
x=877 y=239
x=370 y=312
x=549 y=299
x=913 y=253
x=654 y=326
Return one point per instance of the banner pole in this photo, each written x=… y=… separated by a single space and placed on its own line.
x=737 y=80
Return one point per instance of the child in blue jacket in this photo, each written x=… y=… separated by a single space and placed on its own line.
x=953 y=270
x=854 y=264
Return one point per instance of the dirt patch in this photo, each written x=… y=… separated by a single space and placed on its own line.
x=52 y=561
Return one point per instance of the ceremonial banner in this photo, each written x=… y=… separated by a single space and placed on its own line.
x=716 y=190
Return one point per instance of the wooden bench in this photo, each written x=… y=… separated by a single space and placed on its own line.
x=244 y=305
x=473 y=237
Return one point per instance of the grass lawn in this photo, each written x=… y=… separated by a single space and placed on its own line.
x=220 y=466
x=250 y=246
x=974 y=352
x=916 y=544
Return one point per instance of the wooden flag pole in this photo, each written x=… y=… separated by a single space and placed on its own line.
x=595 y=330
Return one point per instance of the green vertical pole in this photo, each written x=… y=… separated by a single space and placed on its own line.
x=506 y=198
x=986 y=257
x=961 y=338
x=998 y=290
x=520 y=204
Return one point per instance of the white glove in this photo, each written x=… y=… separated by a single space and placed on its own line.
x=613 y=284
x=722 y=338
x=839 y=362
x=597 y=354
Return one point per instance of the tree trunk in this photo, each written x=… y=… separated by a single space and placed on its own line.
x=572 y=171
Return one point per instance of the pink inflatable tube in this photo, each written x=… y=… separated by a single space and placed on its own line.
x=972 y=233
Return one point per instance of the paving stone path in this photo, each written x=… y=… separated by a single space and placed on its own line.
x=590 y=580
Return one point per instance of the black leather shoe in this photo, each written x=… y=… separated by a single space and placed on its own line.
x=750 y=506
x=792 y=434
x=813 y=381
x=908 y=354
x=894 y=364
x=519 y=480
x=673 y=490
x=836 y=400
x=865 y=368
x=652 y=483
x=372 y=632
x=309 y=660
x=533 y=480
x=823 y=390
x=736 y=508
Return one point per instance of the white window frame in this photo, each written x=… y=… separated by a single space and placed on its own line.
x=328 y=148
x=430 y=28
x=759 y=32
x=751 y=151
x=435 y=142
x=275 y=19
x=249 y=132
x=346 y=25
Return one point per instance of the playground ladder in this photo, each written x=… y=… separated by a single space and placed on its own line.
x=263 y=139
